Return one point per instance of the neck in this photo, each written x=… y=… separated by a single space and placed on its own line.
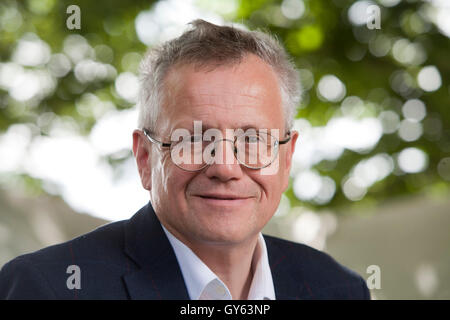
x=231 y=263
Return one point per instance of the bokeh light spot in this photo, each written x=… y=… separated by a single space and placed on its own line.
x=429 y=78
x=309 y=37
x=412 y=160
x=331 y=88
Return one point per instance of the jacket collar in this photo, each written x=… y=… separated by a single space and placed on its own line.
x=158 y=275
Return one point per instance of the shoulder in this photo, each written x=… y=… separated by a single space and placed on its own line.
x=307 y=258
x=92 y=245
x=316 y=269
x=41 y=274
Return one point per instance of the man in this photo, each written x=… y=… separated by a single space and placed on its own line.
x=211 y=93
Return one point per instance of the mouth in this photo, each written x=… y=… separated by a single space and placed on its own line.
x=221 y=196
x=223 y=199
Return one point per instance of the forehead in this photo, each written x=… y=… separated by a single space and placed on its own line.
x=229 y=96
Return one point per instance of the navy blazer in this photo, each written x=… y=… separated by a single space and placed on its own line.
x=133 y=259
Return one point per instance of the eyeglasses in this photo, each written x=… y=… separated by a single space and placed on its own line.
x=254 y=150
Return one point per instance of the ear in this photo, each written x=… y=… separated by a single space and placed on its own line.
x=142 y=153
x=289 y=153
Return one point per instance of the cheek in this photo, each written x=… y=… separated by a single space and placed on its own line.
x=162 y=173
x=281 y=174
x=269 y=185
x=272 y=185
x=175 y=183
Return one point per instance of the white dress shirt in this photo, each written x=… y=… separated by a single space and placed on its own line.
x=203 y=284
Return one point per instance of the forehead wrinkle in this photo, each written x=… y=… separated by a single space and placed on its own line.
x=223 y=99
x=205 y=108
x=208 y=104
x=211 y=119
x=193 y=89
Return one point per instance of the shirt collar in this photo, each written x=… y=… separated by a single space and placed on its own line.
x=202 y=283
x=262 y=283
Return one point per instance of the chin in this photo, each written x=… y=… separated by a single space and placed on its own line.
x=226 y=224
x=228 y=230
x=226 y=237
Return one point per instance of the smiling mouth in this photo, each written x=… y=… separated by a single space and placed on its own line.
x=223 y=199
x=218 y=198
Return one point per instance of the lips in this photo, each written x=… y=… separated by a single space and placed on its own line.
x=215 y=202
x=222 y=196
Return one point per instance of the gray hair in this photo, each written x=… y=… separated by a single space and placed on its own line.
x=210 y=45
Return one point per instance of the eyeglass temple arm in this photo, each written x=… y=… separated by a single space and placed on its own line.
x=287 y=139
x=147 y=134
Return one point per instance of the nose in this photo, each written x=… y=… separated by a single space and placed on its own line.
x=225 y=165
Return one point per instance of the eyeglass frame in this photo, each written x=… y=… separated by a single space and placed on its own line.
x=169 y=144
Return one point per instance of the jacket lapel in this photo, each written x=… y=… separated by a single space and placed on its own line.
x=158 y=275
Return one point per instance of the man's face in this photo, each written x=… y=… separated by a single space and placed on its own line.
x=223 y=203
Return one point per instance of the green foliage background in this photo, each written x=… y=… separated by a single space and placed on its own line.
x=322 y=41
